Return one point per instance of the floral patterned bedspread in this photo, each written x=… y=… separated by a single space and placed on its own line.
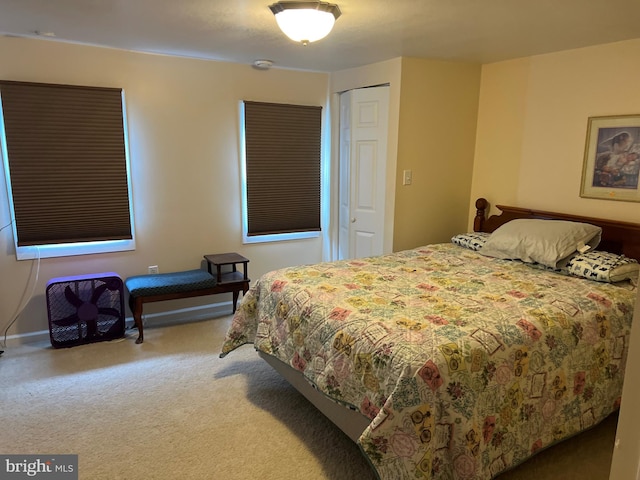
x=466 y=365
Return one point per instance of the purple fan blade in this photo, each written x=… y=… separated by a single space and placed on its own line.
x=97 y=292
x=109 y=311
x=71 y=297
x=92 y=328
x=66 y=321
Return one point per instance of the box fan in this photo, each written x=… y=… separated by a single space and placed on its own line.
x=85 y=309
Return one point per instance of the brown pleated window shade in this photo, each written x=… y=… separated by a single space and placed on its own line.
x=282 y=167
x=67 y=162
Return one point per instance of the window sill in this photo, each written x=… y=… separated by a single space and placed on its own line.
x=71 y=249
x=280 y=237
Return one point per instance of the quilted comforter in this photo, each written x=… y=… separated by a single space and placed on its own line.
x=466 y=365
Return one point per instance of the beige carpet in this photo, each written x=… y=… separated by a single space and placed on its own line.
x=171 y=409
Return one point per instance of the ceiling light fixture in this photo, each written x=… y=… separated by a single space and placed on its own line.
x=305 y=22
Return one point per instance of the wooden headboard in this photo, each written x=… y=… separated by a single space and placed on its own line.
x=617 y=237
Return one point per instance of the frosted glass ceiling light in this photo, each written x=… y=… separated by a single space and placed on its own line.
x=305 y=22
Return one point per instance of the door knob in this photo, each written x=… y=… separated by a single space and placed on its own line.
x=353 y=220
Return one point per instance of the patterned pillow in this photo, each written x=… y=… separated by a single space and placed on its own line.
x=472 y=240
x=603 y=267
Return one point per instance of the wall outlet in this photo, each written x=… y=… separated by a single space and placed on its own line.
x=153 y=269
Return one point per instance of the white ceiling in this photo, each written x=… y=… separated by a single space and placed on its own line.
x=368 y=31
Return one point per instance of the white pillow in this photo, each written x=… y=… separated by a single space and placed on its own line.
x=540 y=241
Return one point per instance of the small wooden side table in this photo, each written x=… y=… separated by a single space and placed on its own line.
x=232 y=281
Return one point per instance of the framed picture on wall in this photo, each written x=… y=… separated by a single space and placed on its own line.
x=612 y=158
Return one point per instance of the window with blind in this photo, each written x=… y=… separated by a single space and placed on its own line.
x=66 y=166
x=282 y=171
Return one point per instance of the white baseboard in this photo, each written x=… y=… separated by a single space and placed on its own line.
x=161 y=319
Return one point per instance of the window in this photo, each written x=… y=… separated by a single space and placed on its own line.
x=281 y=171
x=66 y=166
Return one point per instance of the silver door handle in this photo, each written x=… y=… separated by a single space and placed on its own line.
x=353 y=220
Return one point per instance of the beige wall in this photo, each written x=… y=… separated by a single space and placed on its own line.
x=183 y=132
x=437 y=128
x=532 y=125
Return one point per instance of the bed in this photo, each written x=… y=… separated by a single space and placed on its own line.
x=443 y=362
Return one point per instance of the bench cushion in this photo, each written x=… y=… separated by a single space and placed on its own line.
x=165 y=283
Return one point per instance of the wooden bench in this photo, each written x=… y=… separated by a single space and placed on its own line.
x=191 y=283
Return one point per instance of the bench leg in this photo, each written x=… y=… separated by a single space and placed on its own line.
x=236 y=293
x=136 y=308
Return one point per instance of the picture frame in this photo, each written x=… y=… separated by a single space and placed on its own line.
x=611 y=167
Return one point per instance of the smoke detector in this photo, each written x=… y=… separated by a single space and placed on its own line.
x=263 y=64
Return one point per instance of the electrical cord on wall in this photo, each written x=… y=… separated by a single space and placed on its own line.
x=20 y=309
x=5 y=337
